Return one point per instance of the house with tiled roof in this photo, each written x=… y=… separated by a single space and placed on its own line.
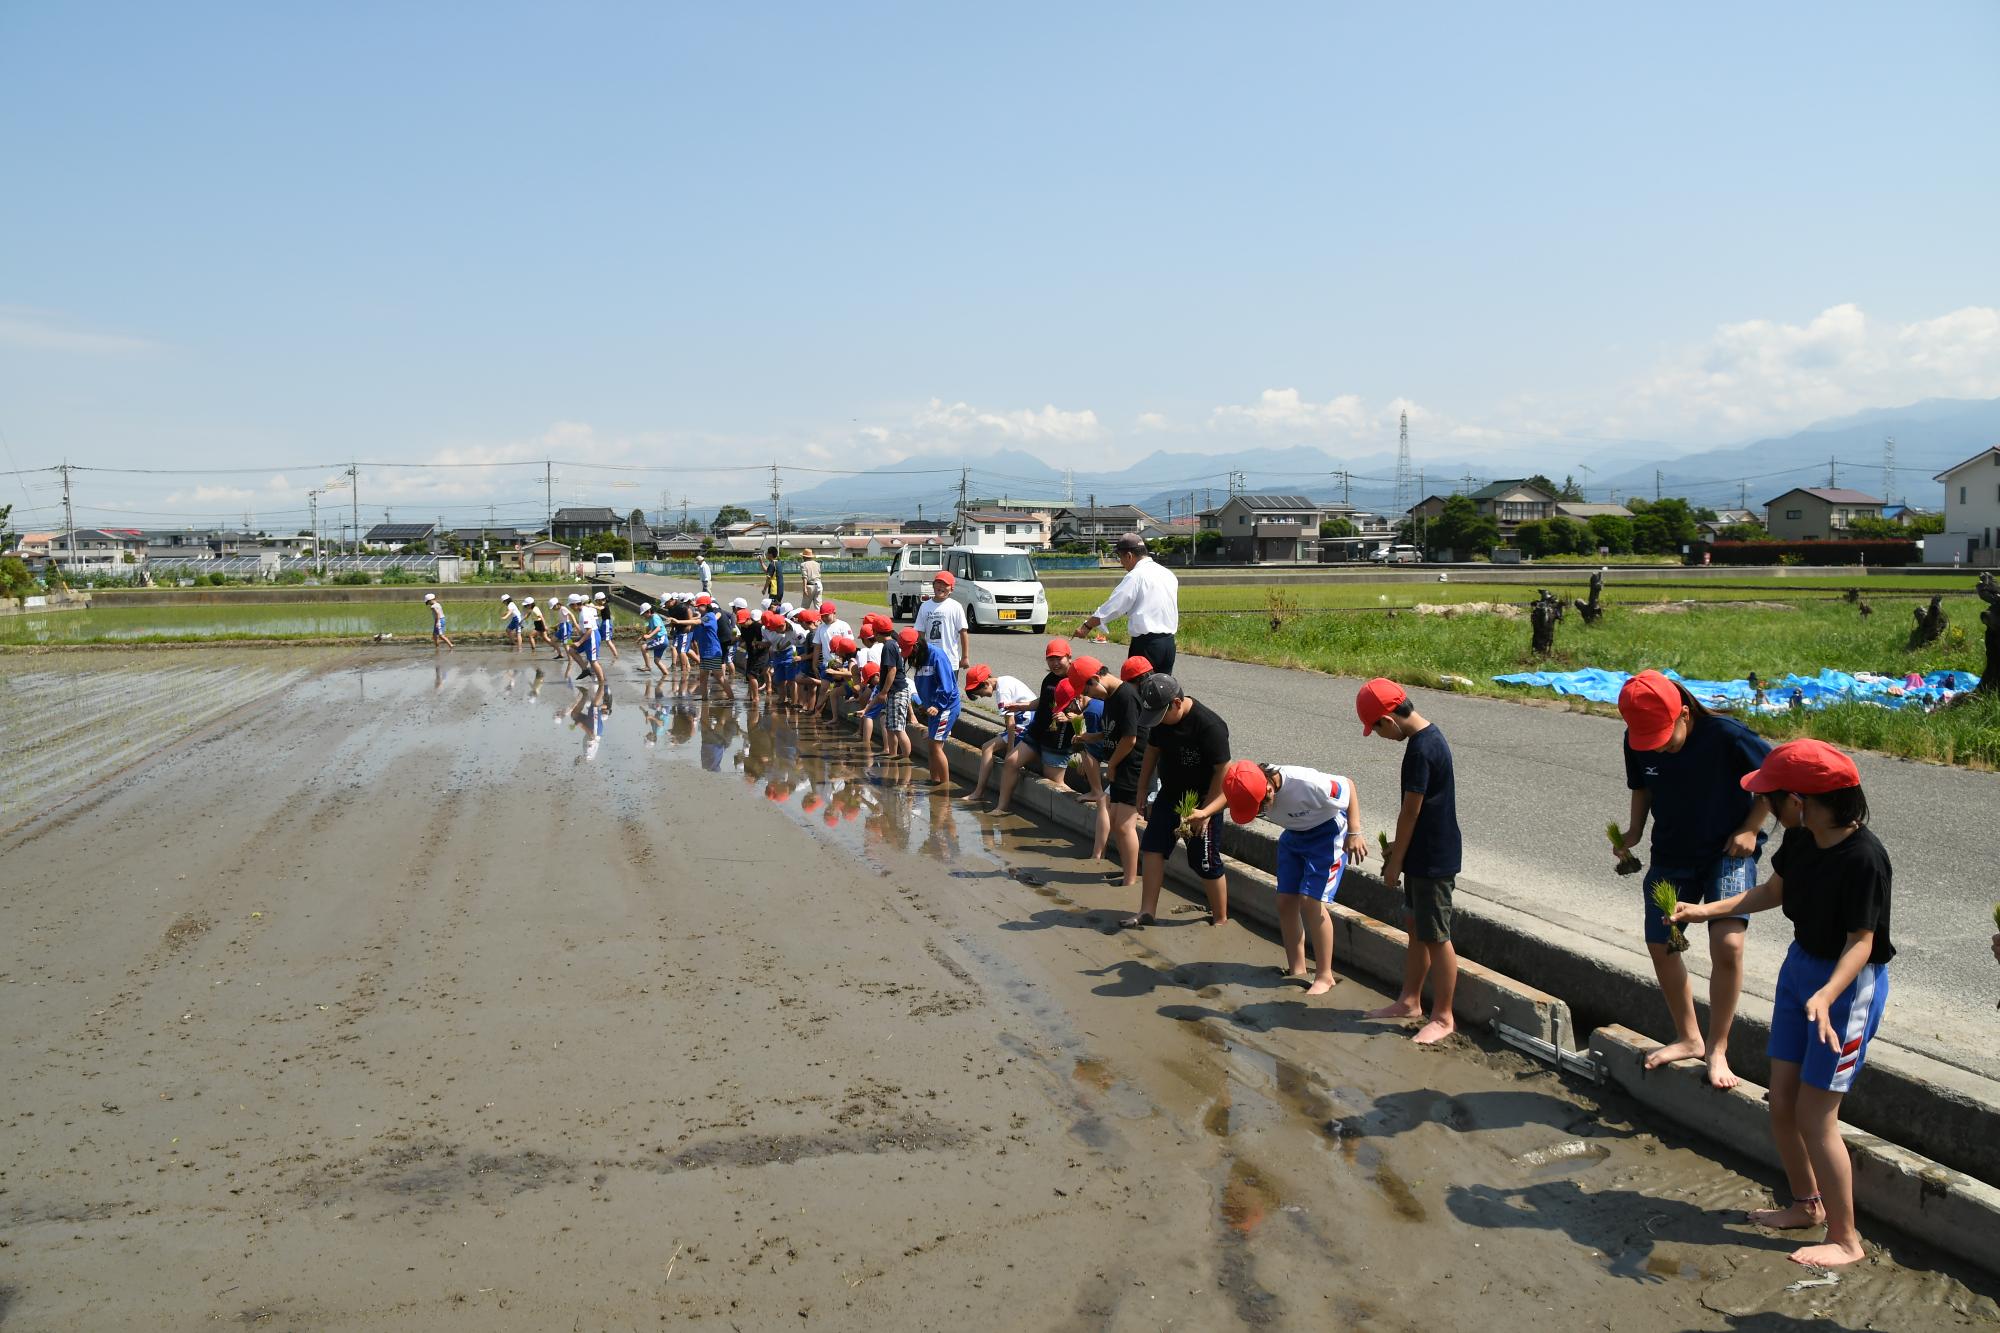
x=1817 y=513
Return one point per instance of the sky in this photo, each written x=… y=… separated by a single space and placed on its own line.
x=253 y=239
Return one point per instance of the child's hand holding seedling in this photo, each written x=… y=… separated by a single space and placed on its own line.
x=1668 y=900
x=1185 y=809
x=1628 y=864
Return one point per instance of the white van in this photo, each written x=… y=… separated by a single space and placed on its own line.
x=1398 y=555
x=603 y=565
x=997 y=586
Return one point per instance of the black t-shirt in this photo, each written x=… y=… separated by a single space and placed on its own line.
x=892 y=661
x=1831 y=892
x=1121 y=719
x=1190 y=749
x=1698 y=802
x=1039 y=733
x=1435 y=850
x=725 y=629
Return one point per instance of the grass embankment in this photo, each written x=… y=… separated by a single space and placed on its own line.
x=1320 y=629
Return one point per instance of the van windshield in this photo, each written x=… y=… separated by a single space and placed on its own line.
x=1001 y=567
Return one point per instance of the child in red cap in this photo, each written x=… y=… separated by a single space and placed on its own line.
x=1425 y=856
x=1013 y=699
x=1683 y=765
x=1320 y=819
x=1831 y=876
x=1037 y=744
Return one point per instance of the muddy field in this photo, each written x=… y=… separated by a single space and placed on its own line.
x=368 y=993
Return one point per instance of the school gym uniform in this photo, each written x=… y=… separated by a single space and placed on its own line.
x=513 y=620
x=1697 y=806
x=708 y=644
x=437 y=623
x=604 y=625
x=1040 y=729
x=656 y=635
x=587 y=639
x=1830 y=893
x=937 y=687
x=1190 y=752
x=1311 y=808
x=893 y=709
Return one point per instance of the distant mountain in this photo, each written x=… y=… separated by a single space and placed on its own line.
x=1930 y=436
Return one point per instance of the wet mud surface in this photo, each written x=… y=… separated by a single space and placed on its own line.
x=463 y=1004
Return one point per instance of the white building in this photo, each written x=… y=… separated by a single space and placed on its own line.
x=1971 y=513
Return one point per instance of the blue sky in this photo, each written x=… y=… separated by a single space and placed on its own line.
x=253 y=235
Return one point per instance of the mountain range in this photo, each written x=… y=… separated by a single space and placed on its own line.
x=1930 y=436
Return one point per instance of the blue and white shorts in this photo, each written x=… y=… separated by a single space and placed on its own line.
x=1311 y=862
x=1854 y=1016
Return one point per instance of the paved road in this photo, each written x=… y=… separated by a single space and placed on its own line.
x=1538 y=784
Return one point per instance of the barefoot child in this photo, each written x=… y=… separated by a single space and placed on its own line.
x=1425 y=855
x=1187 y=749
x=1320 y=819
x=1013 y=698
x=1682 y=764
x=510 y=616
x=1830 y=875
x=1126 y=737
x=436 y=609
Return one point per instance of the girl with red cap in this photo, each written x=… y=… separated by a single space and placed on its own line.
x=1831 y=877
x=1682 y=766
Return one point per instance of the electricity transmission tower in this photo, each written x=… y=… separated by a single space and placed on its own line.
x=1406 y=481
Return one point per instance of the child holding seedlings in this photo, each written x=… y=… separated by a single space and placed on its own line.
x=1187 y=748
x=1683 y=766
x=1320 y=823
x=1831 y=877
x=1425 y=857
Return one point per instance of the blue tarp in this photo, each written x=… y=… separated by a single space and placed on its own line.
x=1828 y=687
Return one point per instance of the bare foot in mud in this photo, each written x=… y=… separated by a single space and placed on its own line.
x=1300 y=975
x=1680 y=1050
x=1433 y=1032
x=1321 y=985
x=1789 y=1219
x=1400 y=1009
x=1720 y=1076
x=1829 y=1255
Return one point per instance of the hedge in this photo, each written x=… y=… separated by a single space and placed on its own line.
x=1813 y=553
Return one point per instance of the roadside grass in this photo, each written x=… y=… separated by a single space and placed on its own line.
x=1250 y=599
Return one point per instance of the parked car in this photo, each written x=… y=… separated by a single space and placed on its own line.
x=1401 y=554
x=997 y=586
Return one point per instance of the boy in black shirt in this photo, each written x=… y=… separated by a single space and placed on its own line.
x=1831 y=876
x=1187 y=748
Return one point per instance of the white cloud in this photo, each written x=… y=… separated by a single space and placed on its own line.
x=1762 y=376
x=1025 y=425
x=1153 y=421
x=1288 y=412
x=41 y=331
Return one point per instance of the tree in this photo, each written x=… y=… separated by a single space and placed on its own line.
x=1611 y=533
x=1677 y=519
x=1649 y=534
x=7 y=536
x=1888 y=529
x=1743 y=532
x=1337 y=527
x=1461 y=529
x=1567 y=536
x=1533 y=538
x=1539 y=480
x=729 y=514
x=1570 y=490
x=637 y=518
x=15 y=580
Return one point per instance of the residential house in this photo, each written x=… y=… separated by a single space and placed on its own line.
x=1583 y=512
x=400 y=536
x=487 y=539
x=1257 y=528
x=543 y=557
x=1105 y=523
x=927 y=527
x=1023 y=529
x=1817 y=513
x=1971 y=513
x=1907 y=515
x=581 y=524
x=1513 y=502
x=1711 y=529
x=746 y=527
x=96 y=548
x=870 y=527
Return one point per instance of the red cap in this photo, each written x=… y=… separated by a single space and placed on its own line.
x=870 y=670
x=1134 y=668
x=772 y=620
x=944 y=576
x=843 y=645
x=742 y=616
x=1376 y=700
x=978 y=674
x=1065 y=695
x=1809 y=768
x=808 y=617
x=1244 y=786
x=810 y=804
x=828 y=608
x=703 y=599
x=1083 y=670
x=907 y=640
x=1650 y=705
x=1058 y=647
x=868 y=630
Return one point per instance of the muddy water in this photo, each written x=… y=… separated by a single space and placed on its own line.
x=485 y=1006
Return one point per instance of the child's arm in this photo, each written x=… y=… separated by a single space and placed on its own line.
x=1853 y=958
x=1760 y=898
x=1406 y=827
x=1198 y=817
x=1357 y=846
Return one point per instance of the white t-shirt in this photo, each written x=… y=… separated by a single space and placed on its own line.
x=1010 y=690
x=1308 y=799
x=586 y=616
x=939 y=624
x=871 y=653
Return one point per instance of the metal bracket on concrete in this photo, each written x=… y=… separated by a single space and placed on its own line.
x=1580 y=1063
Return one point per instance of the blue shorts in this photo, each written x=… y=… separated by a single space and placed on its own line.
x=1056 y=759
x=658 y=648
x=1854 y=1016
x=1204 y=852
x=1310 y=862
x=604 y=631
x=1725 y=879
x=939 y=728
x=562 y=633
x=437 y=630
x=513 y=622
x=586 y=647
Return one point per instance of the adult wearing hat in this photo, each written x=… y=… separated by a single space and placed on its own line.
x=1149 y=597
x=1683 y=766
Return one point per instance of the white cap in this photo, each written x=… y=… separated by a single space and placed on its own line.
x=506 y=596
x=784 y=608
x=739 y=605
x=598 y=596
x=528 y=601
x=575 y=597
x=644 y=607
x=430 y=597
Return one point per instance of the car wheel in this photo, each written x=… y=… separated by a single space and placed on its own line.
x=1042 y=628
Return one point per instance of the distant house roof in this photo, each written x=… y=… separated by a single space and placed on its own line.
x=588 y=515
x=1979 y=457
x=1002 y=516
x=1833 y=495
x=473 y=536
x=1120 y=513
x=544 y=544
x=1900 y=511
x=1493 y=490
x=1579 y=509
x=926 y=524
x=400 y=532
x=1732 y=516
x=1263 y=502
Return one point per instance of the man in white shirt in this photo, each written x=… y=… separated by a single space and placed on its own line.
x=1149 y=598
x=701 y=567
x=941 y=623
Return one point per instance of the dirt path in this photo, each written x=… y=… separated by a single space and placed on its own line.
x=414 y=998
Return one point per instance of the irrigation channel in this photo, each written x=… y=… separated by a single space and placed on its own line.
x=422 y=993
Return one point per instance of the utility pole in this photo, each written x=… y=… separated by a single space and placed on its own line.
x=684 y=513
x=1466 y=481
x=1588 y=472
x=1832 y=477
x=1743 y=494
x=1888 y=469
x=69 y=518
x=354 y=490
x=312 y=502
x=777 y=515
x=1096 y=527
x=1657 y=483
x=1237 y=482
x=549 y=496
x=960 y=520
x=1345 y=479
x=1406 y=494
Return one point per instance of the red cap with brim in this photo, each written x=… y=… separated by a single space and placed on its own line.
x=1134 y=668
x=1650 y=705
x=1056 y=648
x=978 y=674
x=1810 y=768
x=907 y=640
x=1083 y=670
x=944 y=576
x=1376 y=700
x=1065 y=695
x=1244 y=786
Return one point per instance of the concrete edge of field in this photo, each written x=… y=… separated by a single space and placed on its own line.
x=1942 y=1207
x=1916 y=1098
